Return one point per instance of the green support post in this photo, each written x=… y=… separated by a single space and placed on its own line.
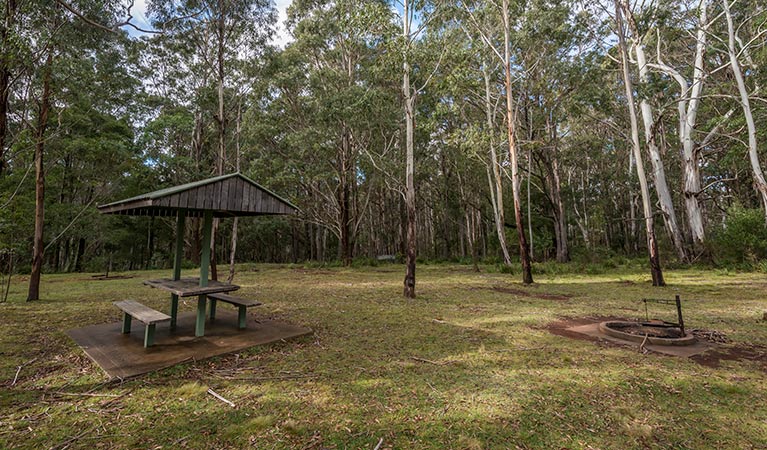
x=126 y=323
x=149 y=335
x=199 y=329
x=242 y=316
x=207 y=230
x=173 y=310
x=177 y=260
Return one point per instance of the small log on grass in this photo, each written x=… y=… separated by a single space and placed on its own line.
x=213 y=393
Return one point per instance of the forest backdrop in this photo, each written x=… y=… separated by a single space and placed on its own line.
x=444 y=130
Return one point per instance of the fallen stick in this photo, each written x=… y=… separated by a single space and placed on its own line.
x=415 y=358
x=65 y=445
x=283 y=377
x=18 y=370
x=641 y=346
x=87 y=394
x=213 y=393
x=380 y=441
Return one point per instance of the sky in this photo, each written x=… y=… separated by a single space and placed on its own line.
x=280 y=38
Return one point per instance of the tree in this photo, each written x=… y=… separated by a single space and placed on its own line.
x=652 y=243
x=524 y=251
x=408 y=99
x=759 y=182
x=688 y=105
x=6 y=65
x=659 y=172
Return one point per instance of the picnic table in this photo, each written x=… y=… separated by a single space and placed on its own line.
x=190 y=287
x=232 y=195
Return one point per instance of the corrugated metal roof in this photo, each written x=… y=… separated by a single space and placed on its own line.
x=146 y=204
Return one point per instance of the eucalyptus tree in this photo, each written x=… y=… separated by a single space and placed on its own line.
x=639 y=36
x=552 y=48
x=330 y=98
x=503 y=51
x=733 y=42
x=415 y=16
x=223 y=36
x=652 y=243
x=55 y=68
x=688 y=106
x=8 y=56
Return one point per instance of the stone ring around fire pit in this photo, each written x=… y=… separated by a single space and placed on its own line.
x=655 y=333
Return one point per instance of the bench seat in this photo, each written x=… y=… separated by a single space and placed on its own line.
x=242 y=305
x=150 y=317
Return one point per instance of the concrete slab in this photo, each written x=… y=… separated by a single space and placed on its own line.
x=124 y=356
x=684 y=351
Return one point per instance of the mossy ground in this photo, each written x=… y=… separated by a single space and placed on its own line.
x=466 y=365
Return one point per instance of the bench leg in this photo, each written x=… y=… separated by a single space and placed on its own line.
x=126 y=323
x=149 y=335
x=242 y=316
x=199 y=329
x=212 y=308
x=173 y=310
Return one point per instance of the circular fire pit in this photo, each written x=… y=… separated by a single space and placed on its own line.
x=656 y=333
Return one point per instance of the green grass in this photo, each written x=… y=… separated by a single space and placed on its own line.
x=495 y=378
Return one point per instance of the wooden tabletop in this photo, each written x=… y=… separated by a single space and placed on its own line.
x=187 y=287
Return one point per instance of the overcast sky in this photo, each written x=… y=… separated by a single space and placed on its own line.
x=280 y=38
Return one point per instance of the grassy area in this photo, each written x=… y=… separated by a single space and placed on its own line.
x=466 y=365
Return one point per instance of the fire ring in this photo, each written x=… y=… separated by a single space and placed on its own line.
x=655 y=333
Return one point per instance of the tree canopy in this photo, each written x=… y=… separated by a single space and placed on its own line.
x=97 y=107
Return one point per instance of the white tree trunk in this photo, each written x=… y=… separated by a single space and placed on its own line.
x=652 y=245
x=524 y=255
x=690 y=152
x=659 y=173
x=688 y=106
x=759 y=181
x=409 y=100
x=496 y=185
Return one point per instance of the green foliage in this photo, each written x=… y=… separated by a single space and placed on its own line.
x=743 y=237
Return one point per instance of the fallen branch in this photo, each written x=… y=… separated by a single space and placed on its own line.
x=436 y=363
x=213 y=393
x=18 y=370
x=281 y=377
x=380 y=441
x=641 y=346
x=87 y=394
x=64 y=445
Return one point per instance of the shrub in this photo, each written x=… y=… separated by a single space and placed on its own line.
x=743 y=239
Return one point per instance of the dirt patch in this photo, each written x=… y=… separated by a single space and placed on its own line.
x=103 y=278
x=313 y=271
x=743 y=352
x=710 y=358
x=522 y=293
x=560 y=327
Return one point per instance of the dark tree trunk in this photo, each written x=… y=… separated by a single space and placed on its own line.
x=42 y=124
x=150 y=243
x=80 y=255
x=5 y=76
x=557 y=204
x=343 y=199
x=524 y=251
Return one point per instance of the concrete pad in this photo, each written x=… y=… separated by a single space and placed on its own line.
x=684 y=351
x=124 y=356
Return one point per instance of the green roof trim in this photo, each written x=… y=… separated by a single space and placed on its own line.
x=155 y=195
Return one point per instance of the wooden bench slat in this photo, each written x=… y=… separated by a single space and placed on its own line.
x=142 y=313
x=239 y=301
